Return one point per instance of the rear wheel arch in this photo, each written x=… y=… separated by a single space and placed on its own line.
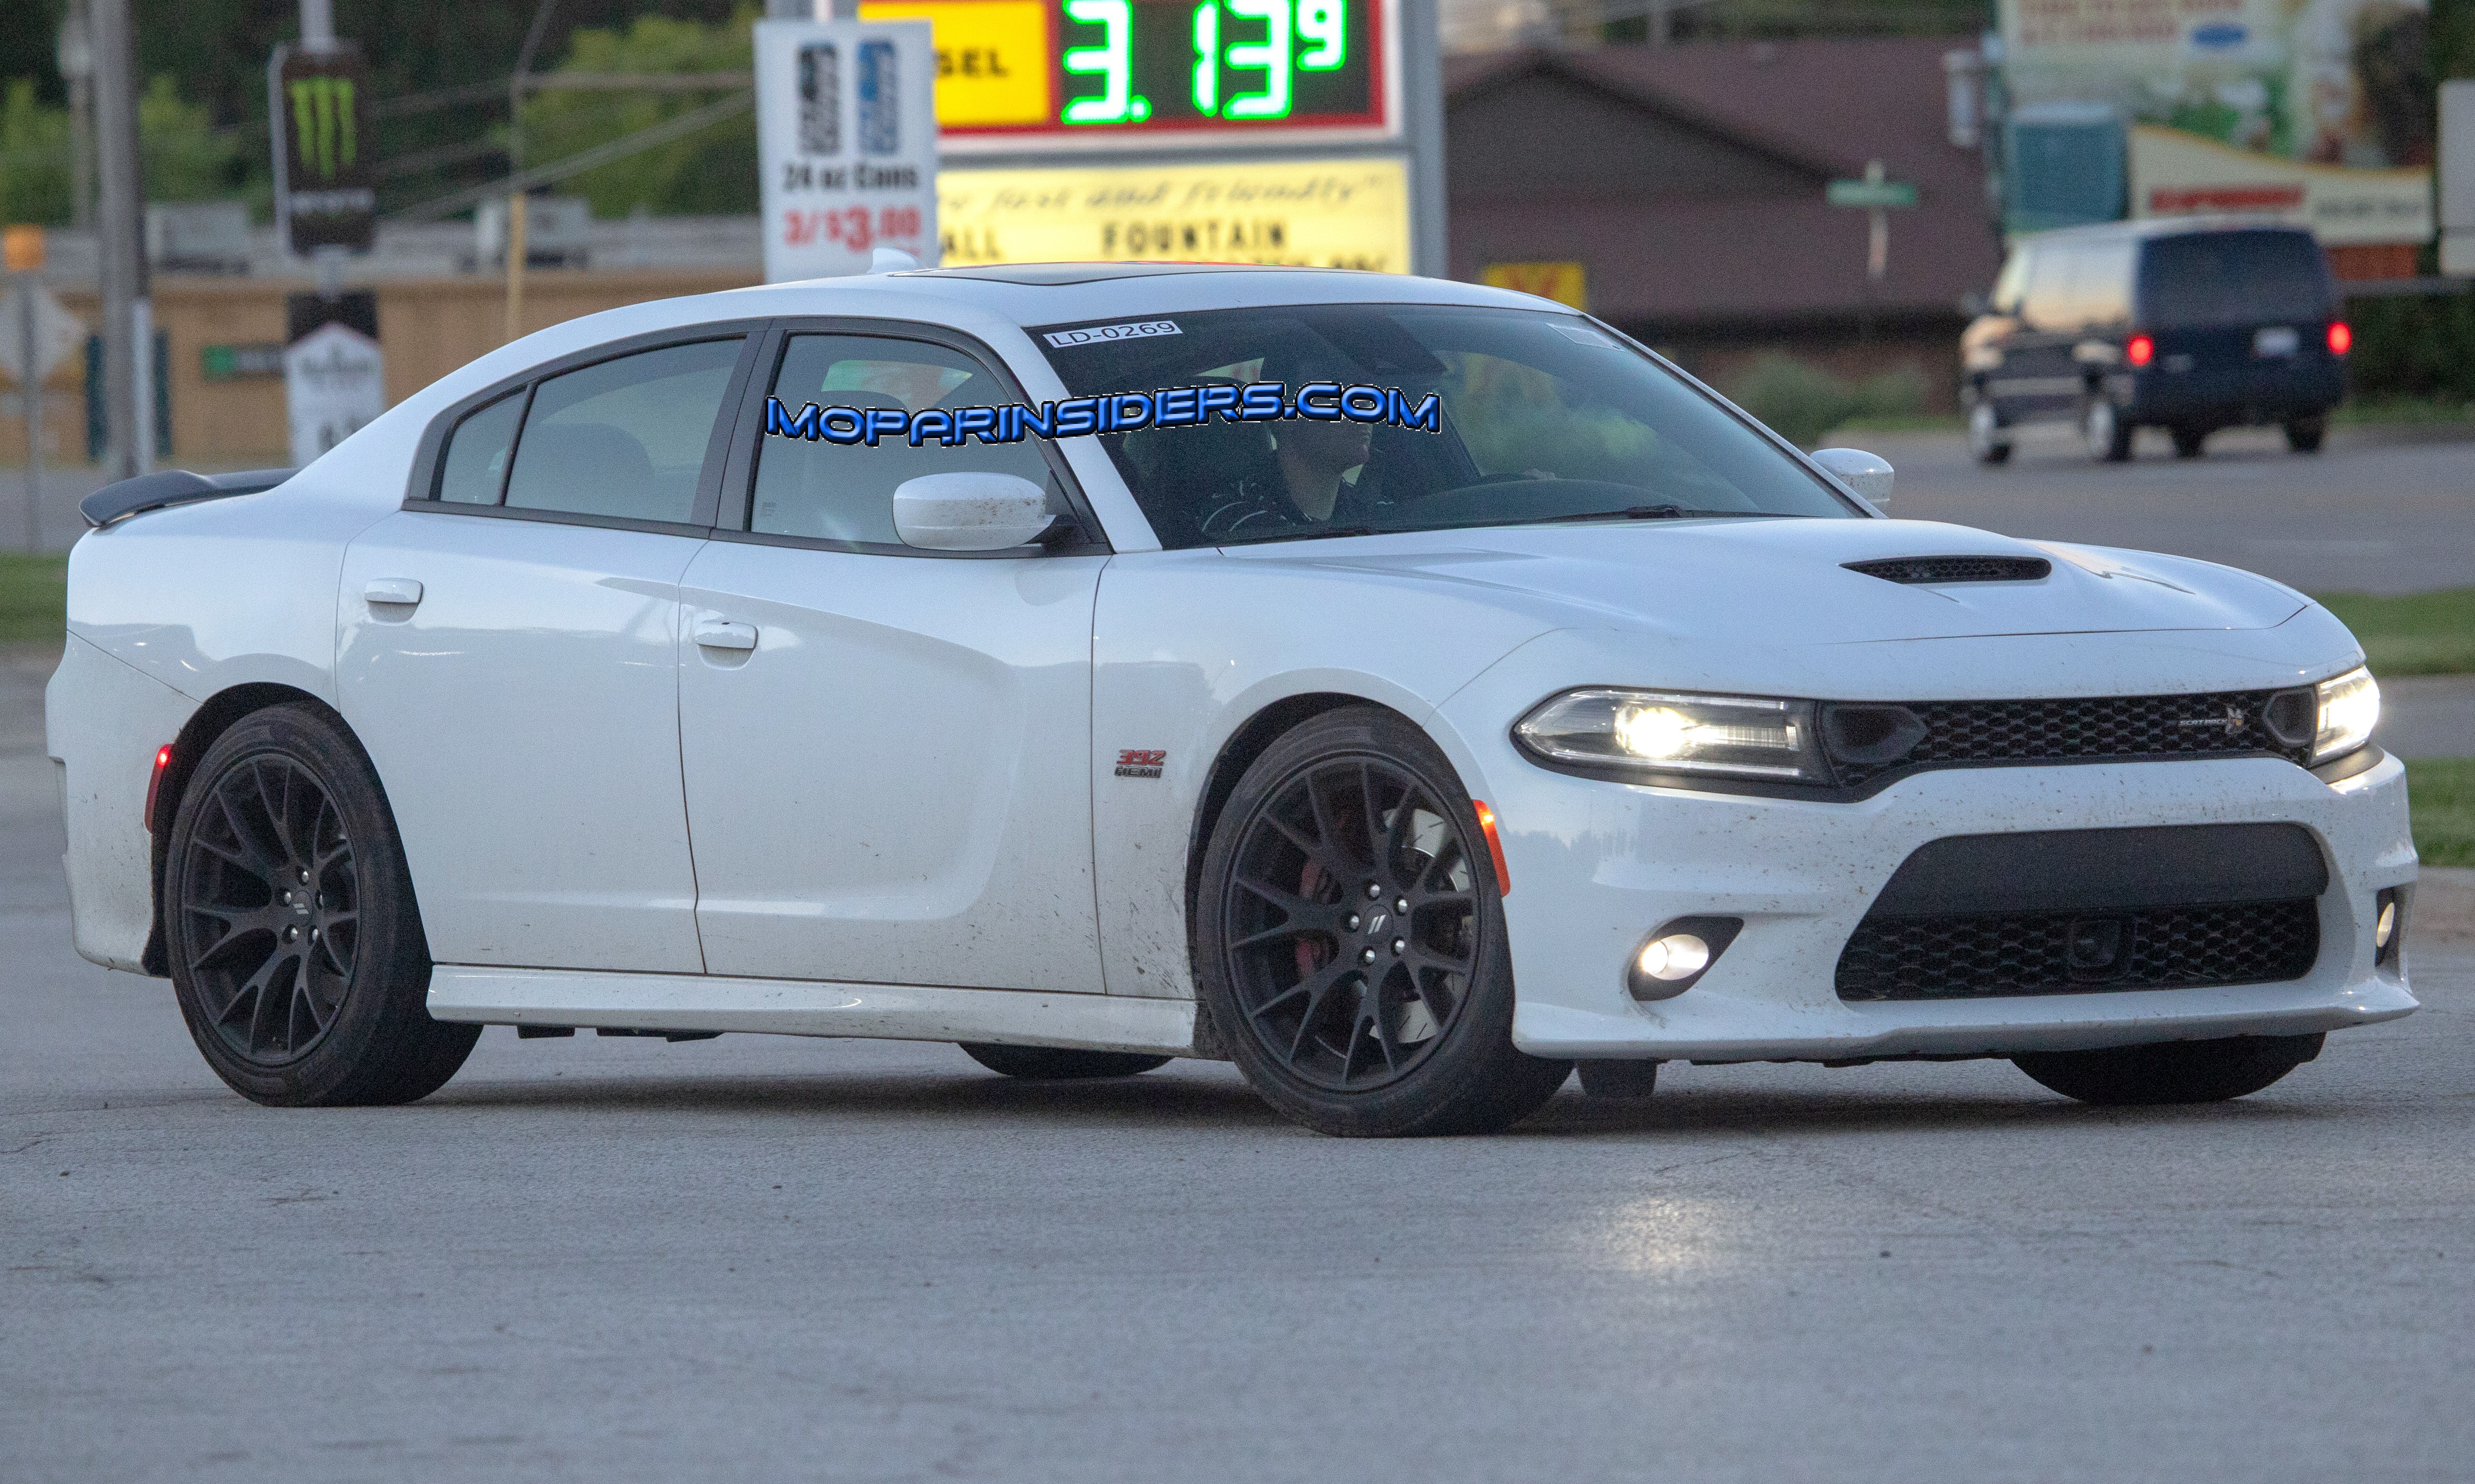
x=221 y=713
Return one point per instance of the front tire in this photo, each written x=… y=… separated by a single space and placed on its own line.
x=1052 y=1063
x=1350 y=940
x=2108 y=435
x=2189 y=442
x=1985 y=440
x=296 y=947
x=2171 y=1071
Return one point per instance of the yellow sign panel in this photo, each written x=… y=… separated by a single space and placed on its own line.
x=1563 y=283
x=1315 y=213
x=992 y=56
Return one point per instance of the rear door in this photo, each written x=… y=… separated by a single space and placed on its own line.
x=887 y=749
x=508 y=653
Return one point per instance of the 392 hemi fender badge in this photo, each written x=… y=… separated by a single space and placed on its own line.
x=1135 y=763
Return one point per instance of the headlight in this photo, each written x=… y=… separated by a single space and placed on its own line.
x=2350 y=707
x=1664 y=732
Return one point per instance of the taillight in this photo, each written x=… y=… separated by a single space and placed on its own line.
x=2341 y=339
x=2141 y=351
x=155 y=783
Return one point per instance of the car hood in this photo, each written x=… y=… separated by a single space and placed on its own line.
x=1786 y=582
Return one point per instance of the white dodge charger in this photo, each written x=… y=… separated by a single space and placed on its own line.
x=1402 y=688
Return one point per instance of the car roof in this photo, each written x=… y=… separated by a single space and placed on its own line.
x=2150 y=228
x=1033 y=293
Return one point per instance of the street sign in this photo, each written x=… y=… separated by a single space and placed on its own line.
x=1878 y=195
x=334 y=377
x=846 y=144
x=325 y=193
x=54 y=336
x=1567 y=283
x=1014 y=76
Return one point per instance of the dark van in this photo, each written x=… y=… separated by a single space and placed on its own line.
x=2188 y=325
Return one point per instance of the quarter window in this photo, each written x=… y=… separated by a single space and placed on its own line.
x=476 y=466
x=844 y=492
x=624 y=437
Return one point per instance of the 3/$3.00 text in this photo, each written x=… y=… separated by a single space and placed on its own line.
x=1081 y=417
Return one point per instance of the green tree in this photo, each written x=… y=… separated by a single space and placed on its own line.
x=185 y=157
x=34 y=158
x=712 y=172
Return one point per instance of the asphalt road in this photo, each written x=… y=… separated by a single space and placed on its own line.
x=769 y=1259
x=2371 y=514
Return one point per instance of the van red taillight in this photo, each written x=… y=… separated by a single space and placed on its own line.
x=155 y=783
x=2141 y=351
x=2341 y=339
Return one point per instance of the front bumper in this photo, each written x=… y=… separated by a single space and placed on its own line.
x=1596 y=866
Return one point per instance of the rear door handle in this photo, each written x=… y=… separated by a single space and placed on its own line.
x=402 y=592
x=718 y=634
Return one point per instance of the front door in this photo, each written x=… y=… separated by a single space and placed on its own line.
x=887 y=750
x=509 y=653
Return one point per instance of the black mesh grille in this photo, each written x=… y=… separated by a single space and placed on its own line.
x=2032 y=952
x=1928 y=569
x=2085 y=728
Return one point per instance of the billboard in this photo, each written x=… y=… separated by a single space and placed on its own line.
x=2315 y=111
x=325 y=191
x=1320 y=213
x=846 y=145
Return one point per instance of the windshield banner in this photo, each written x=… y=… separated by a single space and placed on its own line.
x=1082 y=417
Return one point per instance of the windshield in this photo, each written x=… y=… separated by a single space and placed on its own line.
x=1403 y=418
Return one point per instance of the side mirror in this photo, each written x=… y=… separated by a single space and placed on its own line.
x=1975 y=305
x=1867 y=473
x=971 y=512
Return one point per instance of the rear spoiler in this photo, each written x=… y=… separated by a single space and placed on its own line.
x=172 y=487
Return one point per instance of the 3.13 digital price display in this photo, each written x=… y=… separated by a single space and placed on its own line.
x=1039 y=73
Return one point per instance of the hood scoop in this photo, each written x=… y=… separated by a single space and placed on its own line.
x=1935 y=570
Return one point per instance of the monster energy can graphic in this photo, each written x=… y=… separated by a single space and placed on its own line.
x=324 y=194
x=880 y=100
x=821 y=99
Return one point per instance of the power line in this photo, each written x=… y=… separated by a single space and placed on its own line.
x=643 y=139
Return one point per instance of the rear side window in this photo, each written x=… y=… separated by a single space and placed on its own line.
x=476 y=465
x=843 y=492
x=2233 y=277
x=624 y=438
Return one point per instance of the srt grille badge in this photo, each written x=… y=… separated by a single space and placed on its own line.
x=2232 y=722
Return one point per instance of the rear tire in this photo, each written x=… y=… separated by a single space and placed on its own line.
x=294 y=941
x=2189 y=441
x=1050 y=1063
x=1350 y=940
x=2171 y=1071
x=2108 y=435
x=2303 y=436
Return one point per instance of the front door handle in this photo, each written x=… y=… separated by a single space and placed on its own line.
x=400 y=592
x=719 y=634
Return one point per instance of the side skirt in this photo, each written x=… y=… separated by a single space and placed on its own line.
x=791 y=1006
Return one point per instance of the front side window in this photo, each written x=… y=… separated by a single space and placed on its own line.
x=829 y=491
x=624 y=438
x=1543 y=417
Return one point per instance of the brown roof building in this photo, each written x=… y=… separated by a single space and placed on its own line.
x=1688 y=182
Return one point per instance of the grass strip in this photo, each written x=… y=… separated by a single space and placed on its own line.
x=2442 y=792
x=34 y=598
x=2415 y=634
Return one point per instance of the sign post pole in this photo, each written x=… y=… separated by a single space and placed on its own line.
x=1877 y=197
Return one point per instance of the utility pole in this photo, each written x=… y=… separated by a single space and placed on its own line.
x=518 y=249
x=128 y=315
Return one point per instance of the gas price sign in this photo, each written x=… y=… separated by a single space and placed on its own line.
x=1024 y=75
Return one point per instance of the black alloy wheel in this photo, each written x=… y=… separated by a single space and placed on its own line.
x=296 y=948
x=269 y=911
x=1353 y=940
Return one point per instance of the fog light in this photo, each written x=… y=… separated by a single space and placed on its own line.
x=2388 y=928
x=1672 y=959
